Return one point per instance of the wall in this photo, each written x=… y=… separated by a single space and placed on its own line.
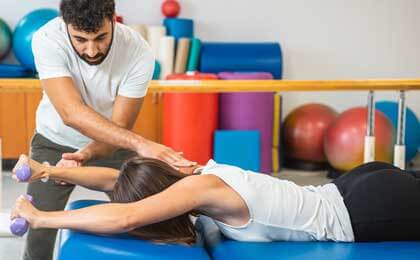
x=321 y=39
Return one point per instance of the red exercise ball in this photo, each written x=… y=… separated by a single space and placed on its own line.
x=304 y=130
x=171 y=8
x=344 y=139
x=119 y=19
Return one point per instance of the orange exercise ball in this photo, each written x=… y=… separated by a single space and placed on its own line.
x=344 y=139
x=304 y=130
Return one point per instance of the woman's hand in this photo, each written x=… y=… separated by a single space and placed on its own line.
x=38 y=170
x=24 y=209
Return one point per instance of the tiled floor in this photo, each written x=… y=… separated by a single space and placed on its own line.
x=12 y=248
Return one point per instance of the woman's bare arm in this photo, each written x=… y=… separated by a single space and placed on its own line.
x=183 y=196
x=95 y=178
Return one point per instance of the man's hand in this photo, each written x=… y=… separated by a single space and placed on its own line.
x=71 y=160
x=157 y=151
x=75 y=159
x=189 y=170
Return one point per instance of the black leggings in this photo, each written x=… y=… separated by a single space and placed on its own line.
x=383 y=202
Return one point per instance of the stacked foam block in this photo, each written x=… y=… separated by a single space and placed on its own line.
x=173 y=46
x=173 y=43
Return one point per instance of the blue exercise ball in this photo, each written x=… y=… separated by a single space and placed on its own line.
x=412 y=127
x=5 y=39
x=22 y=36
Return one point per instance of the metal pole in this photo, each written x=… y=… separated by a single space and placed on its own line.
x=399 y=148
x=369 y=149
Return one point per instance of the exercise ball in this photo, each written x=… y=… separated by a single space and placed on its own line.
x=171 y=8
x=22 y=37
x=119 y=19
x=304 y=131
x=412 y=127
x=5 y=39
x=344 y=139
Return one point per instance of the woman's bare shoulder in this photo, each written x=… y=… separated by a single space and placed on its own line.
x=203 y=181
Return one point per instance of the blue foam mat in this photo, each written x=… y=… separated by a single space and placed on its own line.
x=242 y=57
x=89 y=246
x=79 y=245
x=14 y=71
x=179 y=27
x=221 y=248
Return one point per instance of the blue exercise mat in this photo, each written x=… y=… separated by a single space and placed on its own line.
x=241 y=57
x=14 y=71
x=86 y=246
x=221 y=248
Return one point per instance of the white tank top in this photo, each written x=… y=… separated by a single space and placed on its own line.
x=283 y=211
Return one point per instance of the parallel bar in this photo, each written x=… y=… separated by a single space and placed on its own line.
x=219 y=86
x=371 y=114
x=399 y=148
x=401 y=119
x=369 y=147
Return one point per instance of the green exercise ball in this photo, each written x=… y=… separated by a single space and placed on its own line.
x=5 y=39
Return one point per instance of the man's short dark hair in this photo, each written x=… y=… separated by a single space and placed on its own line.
x=87 y=15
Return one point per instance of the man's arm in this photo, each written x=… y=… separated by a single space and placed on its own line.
x=124 y=114
x=76 y=114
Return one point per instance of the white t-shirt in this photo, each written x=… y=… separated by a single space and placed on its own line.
x=126 y=71
x=280 y=210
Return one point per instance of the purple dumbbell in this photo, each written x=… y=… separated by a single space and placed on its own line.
x=19 y=226
x=23 y=173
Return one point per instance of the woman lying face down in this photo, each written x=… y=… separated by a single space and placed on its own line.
x=154 y=201
x=149 y=199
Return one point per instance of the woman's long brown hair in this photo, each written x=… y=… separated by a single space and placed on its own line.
x=143 y=177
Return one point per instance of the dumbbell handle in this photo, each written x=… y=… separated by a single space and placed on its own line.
x=19 y=226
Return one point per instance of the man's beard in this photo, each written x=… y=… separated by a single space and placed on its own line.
x=98 y=59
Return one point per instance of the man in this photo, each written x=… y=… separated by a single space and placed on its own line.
x=94 y=73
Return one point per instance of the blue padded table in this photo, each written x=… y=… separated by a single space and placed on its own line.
x=221 y=248
x=78 y=245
